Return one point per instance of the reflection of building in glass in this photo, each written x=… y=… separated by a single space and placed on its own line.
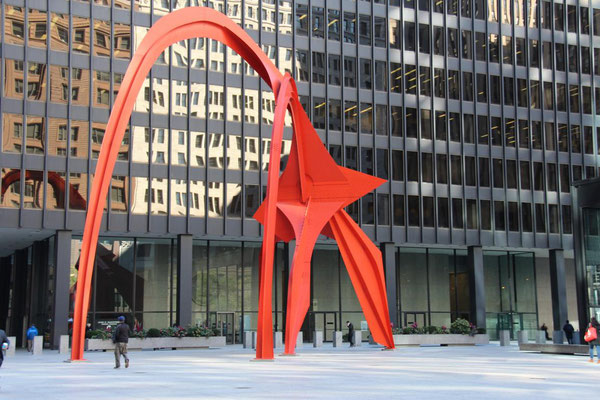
x=479 y=125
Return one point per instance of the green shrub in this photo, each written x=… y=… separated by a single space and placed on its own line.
x=430 y=330
x=98 y=334
x=460 y=326
x=200 y=331
x=153 y=332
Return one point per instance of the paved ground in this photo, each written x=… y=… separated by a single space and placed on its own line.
x=482 y=372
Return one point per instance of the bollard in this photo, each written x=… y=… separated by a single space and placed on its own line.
x=38 y=345
x=317 y=338
x=300 y=340
x=277 y=339
x=576 y=337
x=357 y=338
x=338 y=337
x=504 y=338
x=12 y=347
x=247 y=339
x=557 y=337
x=254 y=339
x=540 y=338
x=63 y=344
x=522 y=337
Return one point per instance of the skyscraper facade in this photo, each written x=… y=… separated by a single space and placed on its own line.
x=480 y=114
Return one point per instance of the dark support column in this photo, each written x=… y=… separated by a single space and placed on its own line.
x=476 y=285
x=5 y=272
x=388 y=251
x=558 y=288
x=62 y=279
x=184 y=279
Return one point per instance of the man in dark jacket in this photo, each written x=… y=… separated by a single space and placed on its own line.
x=568 y=329
x=120 y=339
x=3 y=340
x=350 y=333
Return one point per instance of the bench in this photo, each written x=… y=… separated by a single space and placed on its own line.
x=556 y=348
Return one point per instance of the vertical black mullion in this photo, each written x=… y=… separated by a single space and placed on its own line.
x=502 y=127
x=516 y=130
x=242 y=290
x=207 y=44
x=111 y=99
x=475 y=120
x=189 y=137
x=403 y=116
x=446 y=123
x=388 y=117
x=25 y=107
x=225 y=135
x=488 y=123
x=170 y=138
x=538 y=14
x=129 y=158
x=460 y=121
x=46 y=115
x=569 y=129
x=418 y=116
x=427 y=275
x=432 y=122
x=373 y=123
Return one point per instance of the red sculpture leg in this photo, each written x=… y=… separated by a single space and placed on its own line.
x=264 y=328
x=180 y=25
x=365 y=268
x=308 y=222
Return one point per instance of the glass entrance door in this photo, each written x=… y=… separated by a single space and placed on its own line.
x=412 y=318
x=225 y=323
x=325 y=322
x=512 y=322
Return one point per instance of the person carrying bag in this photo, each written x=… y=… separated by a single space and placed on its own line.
x=591 y=336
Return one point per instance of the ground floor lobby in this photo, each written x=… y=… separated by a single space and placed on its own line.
x=156 y=283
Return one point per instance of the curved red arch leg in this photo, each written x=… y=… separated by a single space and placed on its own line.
x=180 y=25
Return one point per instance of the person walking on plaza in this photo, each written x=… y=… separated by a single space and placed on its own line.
x=4 y=343
x=31 y=333
x=120 y=339
x=350 y=333
x=568 y=329
x=591 y=336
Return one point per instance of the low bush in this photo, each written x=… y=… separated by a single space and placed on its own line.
x=460 y=326
x=153 y=332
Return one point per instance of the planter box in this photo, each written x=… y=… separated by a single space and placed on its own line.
x=159 y=343
x=450 y=339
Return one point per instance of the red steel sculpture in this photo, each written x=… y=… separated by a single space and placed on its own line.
x=308 y=198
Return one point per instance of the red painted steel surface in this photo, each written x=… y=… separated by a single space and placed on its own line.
x=306 y=200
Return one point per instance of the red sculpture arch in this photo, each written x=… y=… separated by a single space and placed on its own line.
x=308 y=198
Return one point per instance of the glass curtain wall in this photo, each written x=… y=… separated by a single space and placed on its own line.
x=510 y=292
x=433 y=286
x=136 y=278
x=225 y=287
x=591 y=238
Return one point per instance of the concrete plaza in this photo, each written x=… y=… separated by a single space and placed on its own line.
x=482 y=372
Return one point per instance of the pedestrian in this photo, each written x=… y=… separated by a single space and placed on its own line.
x=545 y=329
x=120 y=339
x=31 y=333
x=591 y=336
x=4 y=343
x=350 y=333
x=568 y=329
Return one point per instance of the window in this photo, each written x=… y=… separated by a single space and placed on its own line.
x=333 y=25
x=498 y=173
x=334 y=69
x=428 y=208
x=365 y=73
x=365 y=29
x=380 y=33
x=424 y=46
x=467 y=52
x=349 y=71
x=525 y=177
x=456 y=169
x=380 y=75
x=409 y=36
x=397 y=165
x=398 y=210
x=442 y=168
x=472 y=214
x=513 y=216
x=499 y=216
x=413 y=210
x=457 y=213
x=427 y=167
x=318 y=22
x=443 y=213
x=486 y=215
